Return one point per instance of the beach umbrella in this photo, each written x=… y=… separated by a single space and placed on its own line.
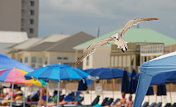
x=57 y=72
x=8 y=63
x=125 y=83
x=16 y=76
x=106 y=73
x=133 y=82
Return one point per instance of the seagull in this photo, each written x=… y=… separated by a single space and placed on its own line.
x=116 y=38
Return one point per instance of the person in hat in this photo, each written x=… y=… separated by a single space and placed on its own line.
x=19 y=95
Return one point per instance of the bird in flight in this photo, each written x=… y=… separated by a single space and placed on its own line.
x=116 y=38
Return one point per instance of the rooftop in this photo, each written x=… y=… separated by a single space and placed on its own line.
x=135 y=35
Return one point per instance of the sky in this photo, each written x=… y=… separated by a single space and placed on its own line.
x=73 y=16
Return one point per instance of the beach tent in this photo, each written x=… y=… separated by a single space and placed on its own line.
x=163 y=66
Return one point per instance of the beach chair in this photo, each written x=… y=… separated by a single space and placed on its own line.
x=95 y=101
x=159 y=104
x=104 y=101
x=61 y=97
x=168 y=105
x=145 y=104
x=153 y=104
x=115 y=102
x=109 y=102
x=174 y=105
x=69 y=98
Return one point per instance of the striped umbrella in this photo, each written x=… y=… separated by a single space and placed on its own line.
x=57 y=72
x=16 y=76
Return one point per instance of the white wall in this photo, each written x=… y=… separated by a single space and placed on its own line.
x=101 y=58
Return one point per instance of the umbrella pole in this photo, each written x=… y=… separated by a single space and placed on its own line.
x=90 y=91
x=47 y=94
x=12 y=95
x=170 y=93
x=113 y=88
x=102 y=89
x=58 y=93
x=24 y=97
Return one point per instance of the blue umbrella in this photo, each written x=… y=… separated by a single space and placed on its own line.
x=8 y=63
x=106 y=73
x=125 y=83
x=57 y=72
x=133 y=82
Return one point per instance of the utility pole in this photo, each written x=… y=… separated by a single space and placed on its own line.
x=98 y=32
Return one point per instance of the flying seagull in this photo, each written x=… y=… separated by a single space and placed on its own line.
x=116 y=38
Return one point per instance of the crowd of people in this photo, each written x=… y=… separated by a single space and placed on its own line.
x=70 y=99
x=16 y=95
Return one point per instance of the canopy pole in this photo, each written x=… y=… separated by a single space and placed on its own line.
x=47 y=85
x=102 y=89
x=24 y=97
x=113 y=88
x=12 y=95
x=170 y=93
x=58 y=93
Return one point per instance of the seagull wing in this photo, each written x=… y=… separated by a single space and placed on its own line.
x=92 y=48
x=133 y=22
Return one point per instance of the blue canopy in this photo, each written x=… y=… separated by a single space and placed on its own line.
x=125 y=83
x=161 y=90
x=133 y=82
x=106 y=73
x=150 y=91
x=8 y=63
x=163 y=67
x=57 y=72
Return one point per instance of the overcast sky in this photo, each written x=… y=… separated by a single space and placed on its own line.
x=72 y=16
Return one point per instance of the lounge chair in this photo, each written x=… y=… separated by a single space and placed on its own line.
x=174 y=105
x=168 y=105
x=153 y=104
x=109 y=102
x=104 y=101
x=145 y=104
x=115 y=102
x=95 y=101
x=159 y=104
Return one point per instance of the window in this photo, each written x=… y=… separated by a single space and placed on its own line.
x=46 y=61
x=59 y=58
x=87 y=61
x=32 y=3
x=65 y=58
x=26 y=59
x=33 y=62
x=31 y=12
x=31 y=30
x=40 y=60
x=31 y=21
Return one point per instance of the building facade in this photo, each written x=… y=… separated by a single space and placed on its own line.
x=137 y=54
x=19 y=15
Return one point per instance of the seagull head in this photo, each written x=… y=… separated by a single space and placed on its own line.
x=115 y=36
